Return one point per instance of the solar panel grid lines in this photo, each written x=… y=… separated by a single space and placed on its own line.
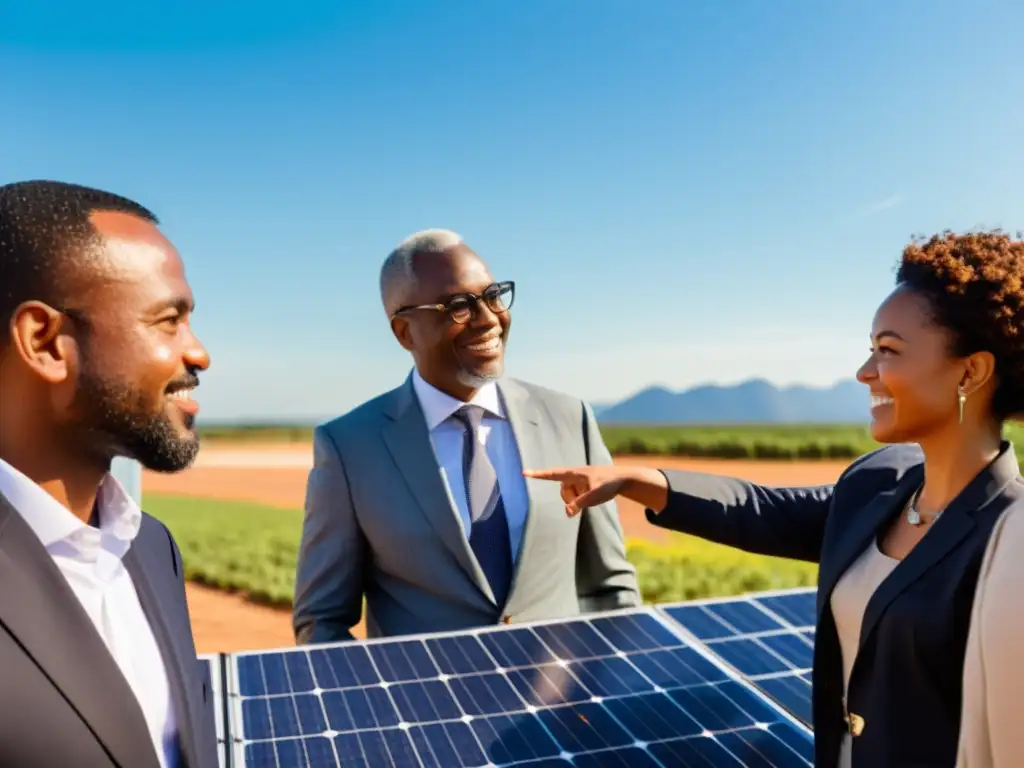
x=215 y=673
x=620 y=688
x=767 y=637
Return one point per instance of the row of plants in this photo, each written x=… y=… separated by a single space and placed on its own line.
x=755 y=442
x=771 y=442
x=768 y=442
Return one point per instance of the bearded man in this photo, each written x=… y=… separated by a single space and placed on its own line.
x=97 y=361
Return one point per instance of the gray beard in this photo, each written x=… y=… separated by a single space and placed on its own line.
x=475 y=380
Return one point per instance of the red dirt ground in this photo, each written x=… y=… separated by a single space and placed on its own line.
x=228 y=623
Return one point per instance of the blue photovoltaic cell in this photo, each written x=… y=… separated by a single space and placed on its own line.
x=797 y=608
x=615 y=689
x=767 y=638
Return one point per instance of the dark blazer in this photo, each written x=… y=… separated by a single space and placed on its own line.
x=63 y=699
x=906 y=683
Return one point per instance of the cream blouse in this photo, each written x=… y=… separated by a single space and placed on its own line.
x=849 y=600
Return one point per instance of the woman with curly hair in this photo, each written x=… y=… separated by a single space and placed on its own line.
x=901 y=535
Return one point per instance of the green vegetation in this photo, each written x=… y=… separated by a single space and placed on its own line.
x=780 y=441
x=234 y=546
x=761 y=441
x=252 y=549
x=691 y=568
x=257 y=433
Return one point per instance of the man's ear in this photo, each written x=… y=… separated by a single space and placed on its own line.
x=35 y=337
x=403 y=332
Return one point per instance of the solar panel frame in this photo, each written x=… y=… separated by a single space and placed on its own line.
x=215 y=666
x=681 y=640
x=789 y=685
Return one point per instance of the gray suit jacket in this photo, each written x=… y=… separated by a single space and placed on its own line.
x=63 y=700
x=379 y=524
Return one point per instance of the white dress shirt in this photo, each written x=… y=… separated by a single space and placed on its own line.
x=447 y=436
x=91 y=561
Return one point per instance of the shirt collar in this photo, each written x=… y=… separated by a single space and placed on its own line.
x=52 y=522
x=438 y=406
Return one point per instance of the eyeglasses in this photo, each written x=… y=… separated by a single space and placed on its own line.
x=462 y=307
x=76 y=315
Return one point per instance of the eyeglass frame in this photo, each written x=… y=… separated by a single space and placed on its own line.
x=473 y=299
x=78 y=315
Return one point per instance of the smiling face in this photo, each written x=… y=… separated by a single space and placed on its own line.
x=138 y=358
x=457 y=358
x=912 y=374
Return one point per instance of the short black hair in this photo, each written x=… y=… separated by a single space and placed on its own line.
x=44 y=232
x=974 y=284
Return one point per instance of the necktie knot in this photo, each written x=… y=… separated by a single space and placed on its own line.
x=471 y=416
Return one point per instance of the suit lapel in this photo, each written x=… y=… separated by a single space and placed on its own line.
x=408 y=441
x=524 y=420
x=944 y=536
x=864 y=525
x=176 y=657
x=39 y=609
x=954 y=525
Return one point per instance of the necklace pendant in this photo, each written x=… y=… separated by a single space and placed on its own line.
x=913 y=516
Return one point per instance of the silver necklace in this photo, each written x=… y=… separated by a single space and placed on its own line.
x=913 y=516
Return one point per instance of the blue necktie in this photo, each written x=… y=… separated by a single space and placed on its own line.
x=488 y=535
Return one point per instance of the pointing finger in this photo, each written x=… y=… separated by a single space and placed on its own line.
x=559 y=474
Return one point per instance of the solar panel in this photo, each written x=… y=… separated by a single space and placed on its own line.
x=767 y=637
x=214 y=676
x=626 y=688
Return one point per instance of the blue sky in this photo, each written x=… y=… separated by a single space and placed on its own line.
x=684 y=192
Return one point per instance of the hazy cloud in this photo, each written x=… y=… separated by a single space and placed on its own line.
x=881 y=205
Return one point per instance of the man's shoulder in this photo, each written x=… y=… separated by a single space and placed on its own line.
x=152 y=526
x=366 y=413
x=549 y=398
x=157 y=540
x=561 y=414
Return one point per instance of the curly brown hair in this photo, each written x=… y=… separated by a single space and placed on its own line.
x=974 y=284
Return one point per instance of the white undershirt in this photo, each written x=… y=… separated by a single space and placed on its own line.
x=91 y=561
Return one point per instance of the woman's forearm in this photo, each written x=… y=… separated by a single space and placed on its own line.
x=647 y=487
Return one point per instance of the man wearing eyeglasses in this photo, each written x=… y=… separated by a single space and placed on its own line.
x=417 y=500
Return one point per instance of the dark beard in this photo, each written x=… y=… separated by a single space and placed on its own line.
x=117 y=419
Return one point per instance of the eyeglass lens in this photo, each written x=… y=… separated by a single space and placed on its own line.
x=497 y=298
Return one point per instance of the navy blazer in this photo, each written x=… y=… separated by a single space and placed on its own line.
x=63 y=699
x=906 y=683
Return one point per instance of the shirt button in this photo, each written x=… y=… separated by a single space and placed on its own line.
x=506 y=619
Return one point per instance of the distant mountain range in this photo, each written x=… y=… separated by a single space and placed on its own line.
x=752 y=402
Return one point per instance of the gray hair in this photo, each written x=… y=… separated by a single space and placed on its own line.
x=397 y=276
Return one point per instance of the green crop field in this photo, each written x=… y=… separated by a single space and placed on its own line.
x=780 y=441
x=252 y=549
x=761 y=441
x=257 y=433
